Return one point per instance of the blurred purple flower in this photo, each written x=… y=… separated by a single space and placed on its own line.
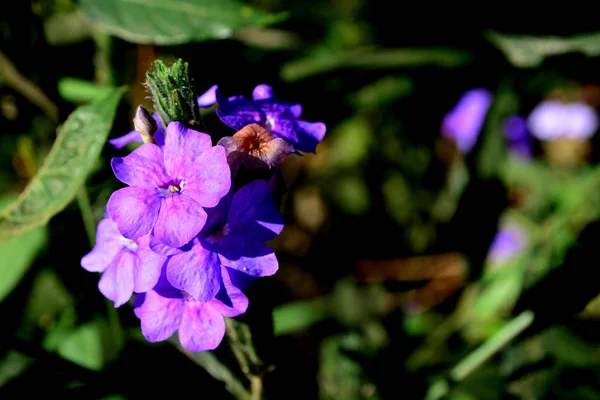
x=463 y=123
x=553 y=119
x=507 y=243
x=206 y=99
x=517 y=136
x=277 y=117
x=168 y=187
x=234 y=236
x=127 y=265
x=164 y=310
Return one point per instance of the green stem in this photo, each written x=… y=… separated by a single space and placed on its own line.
x=217 y=370
x=482 y=354
x=245 y=355
x=89 y=221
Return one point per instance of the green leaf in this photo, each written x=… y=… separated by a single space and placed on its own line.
x=292 y=317
x=172 y=22
x=84 y=346
x=78 y=90
x=530 y=51
x=12 y=365
x=48 y=298
x=367 y=57
x=570 y=349
x=18 y=253
x=65 y=169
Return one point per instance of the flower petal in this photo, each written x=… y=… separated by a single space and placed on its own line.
x=160 y=316
x=183 y=148
x=122 y=141
x=202 y=327
x=309 y=134
x=142 y=168
x=116 y=283
x=108 y=244
x=208 y=98
x=196 y=272
x=230 y=301
x=147 y=266
x=179 y=220
x=135 y=210
x=254 y=259
x=209 y=178
x=160 y=248
x=238 y=120
x=253 y=212
x=262 y=92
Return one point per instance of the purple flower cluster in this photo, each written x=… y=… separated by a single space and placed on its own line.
x=183 y=234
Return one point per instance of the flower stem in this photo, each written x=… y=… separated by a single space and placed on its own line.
x=245 y=355
x=89 y=222
x=217 y=370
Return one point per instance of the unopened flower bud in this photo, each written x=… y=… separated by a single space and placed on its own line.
x=145 y=125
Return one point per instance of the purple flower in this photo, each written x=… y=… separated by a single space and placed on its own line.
x=463 y=123
x=553 y=119
x=164 y=310
x=127 y=265
x=277 y=117
x=234 y=236
x=206 y=99
x=168 y=187
x=507 y=243
x=517 y=136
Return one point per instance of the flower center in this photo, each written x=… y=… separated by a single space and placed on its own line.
x=174 y=188
x=129 y=244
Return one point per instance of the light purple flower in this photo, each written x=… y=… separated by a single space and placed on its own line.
x=164 y=310
x=168 y=187
x=234 y=236
x=463 y=123
x=517 y=136
x=508 y=243
x=127 y=265
x=553 y=119
x=206 y=99
x=279 y=118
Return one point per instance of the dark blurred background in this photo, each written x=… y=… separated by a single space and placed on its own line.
x=387 y=281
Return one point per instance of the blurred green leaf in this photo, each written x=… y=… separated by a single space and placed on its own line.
x=529 y=51
x=351 y=193
x=83 y=345
x=492 y=153
x=172 y=22
x=370 y=57
x=18 y=253
x=47 y=299
x=498 y=295
x=292 y=317
x=78 y=90
x=65 y=169
x=91 y=345
x=340 y=377
x=570 y=349
x=12 y=365
x=378 y=94
x=351 y=141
